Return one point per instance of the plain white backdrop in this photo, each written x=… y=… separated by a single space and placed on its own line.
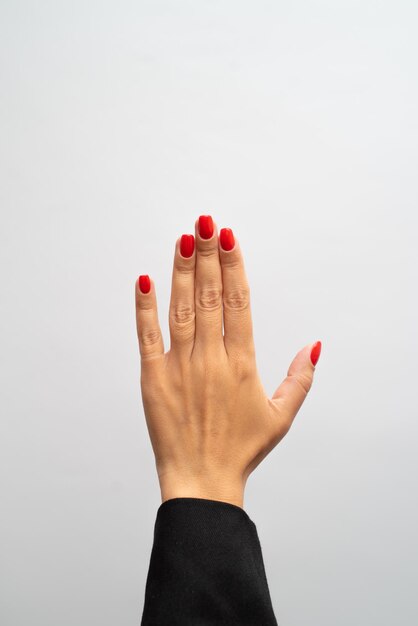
x=293 y=123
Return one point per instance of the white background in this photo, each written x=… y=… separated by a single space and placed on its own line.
x=293 y=123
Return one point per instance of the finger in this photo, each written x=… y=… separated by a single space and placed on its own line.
x=292 y=392
x=238 y=329
x=208 y=284
x=182 y=304
x=149 y=333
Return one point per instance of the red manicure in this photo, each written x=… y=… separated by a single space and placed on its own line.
x=144 y=283
x=205 y=226
x=226 y=237
x=187 y=245
x=315 y=352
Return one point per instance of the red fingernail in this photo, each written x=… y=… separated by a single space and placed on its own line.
x=205 y=226
x=144 y=283
x=226 y=237
x=187 y=245
x=315 y=352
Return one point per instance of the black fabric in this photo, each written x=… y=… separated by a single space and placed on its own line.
x=206 y=567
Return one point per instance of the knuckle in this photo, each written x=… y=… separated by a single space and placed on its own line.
x=145 y=304
x=303 y=381
x=208 y=249
x=285 y=426
x=243 y=365
x=181 y=314
x=152 y=385
x=245 y=370
x=210 y=298
x=150 y=336
x=238 y=299
x=283 y=421
x=232 y=261
x=183 y=266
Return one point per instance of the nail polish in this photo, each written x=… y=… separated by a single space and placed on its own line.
x=187 y=245
x=315 y=352
x=144 y=283
x=205 y=226
x=227 y=239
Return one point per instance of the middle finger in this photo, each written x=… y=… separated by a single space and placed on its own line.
x=208 y=284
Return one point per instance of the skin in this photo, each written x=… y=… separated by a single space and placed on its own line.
x=209 y=418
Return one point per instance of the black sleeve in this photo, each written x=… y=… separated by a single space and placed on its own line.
x=206 y=567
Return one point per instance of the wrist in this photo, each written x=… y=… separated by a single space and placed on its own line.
x=209 y=488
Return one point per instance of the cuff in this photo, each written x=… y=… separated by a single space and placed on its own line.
x=206 y=567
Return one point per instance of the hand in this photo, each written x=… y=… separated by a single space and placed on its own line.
x=209 y=418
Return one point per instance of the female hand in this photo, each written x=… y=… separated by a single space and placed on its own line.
x=209 y=418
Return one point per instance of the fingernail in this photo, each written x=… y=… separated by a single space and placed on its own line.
x=315 y=352
x=144 y=283
x=205 y=226
x=226 y=237
x=187 y=245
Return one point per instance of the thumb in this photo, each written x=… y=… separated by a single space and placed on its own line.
x=291 y=393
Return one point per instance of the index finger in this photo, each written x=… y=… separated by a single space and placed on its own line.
x=238 y=328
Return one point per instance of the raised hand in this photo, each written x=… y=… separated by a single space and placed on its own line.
x=209 y=418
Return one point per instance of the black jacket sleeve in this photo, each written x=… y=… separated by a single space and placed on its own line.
x=206 y=567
